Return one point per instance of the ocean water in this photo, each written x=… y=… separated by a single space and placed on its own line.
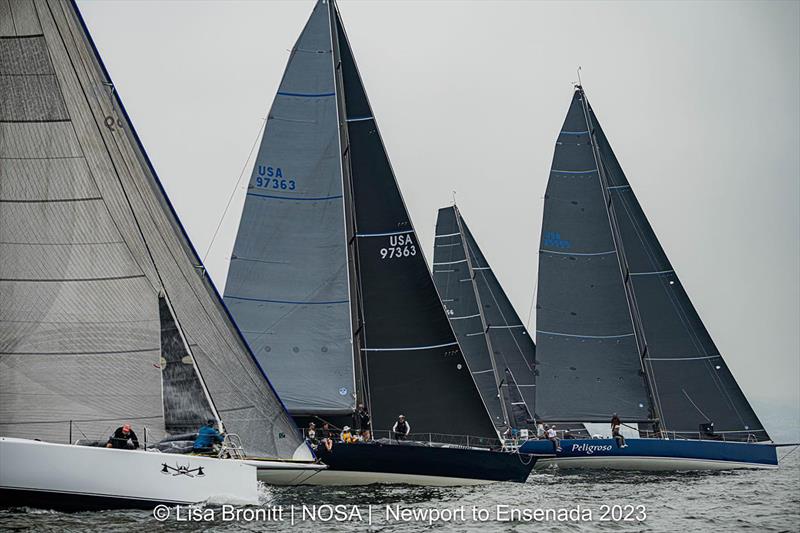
x=740 y=500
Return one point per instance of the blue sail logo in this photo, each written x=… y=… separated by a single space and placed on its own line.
x=553 y=238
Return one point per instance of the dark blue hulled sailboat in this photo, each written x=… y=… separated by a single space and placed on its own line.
x=617 y=333
x=329 y=285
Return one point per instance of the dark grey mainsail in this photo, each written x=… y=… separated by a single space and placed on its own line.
x=88 y=243
x=588 y=360
x=287 y=285
x=691 y=384
x=404 y=357
x=661 y=339
x=489 y=329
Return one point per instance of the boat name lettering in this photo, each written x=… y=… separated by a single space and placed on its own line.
x=589 y=449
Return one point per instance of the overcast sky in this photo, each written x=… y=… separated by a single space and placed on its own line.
x=701 y=102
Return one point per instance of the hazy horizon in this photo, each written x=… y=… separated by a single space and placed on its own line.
x=699 y=100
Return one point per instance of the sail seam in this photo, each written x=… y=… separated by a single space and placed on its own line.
x=56 y=201
x=446 y=235
x=450 y=262
x=294 y=198
x=287 y=301
x=651 y=273
x=576 y=253
x=592 y=171
x=70 y=280
x=306 y=95
x=584 y=336
x=387 y=234
x=409 y=348
x=683 y=358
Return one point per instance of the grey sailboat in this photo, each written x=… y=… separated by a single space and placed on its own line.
x=500 y=352
x=332 y=292
x=106 y=315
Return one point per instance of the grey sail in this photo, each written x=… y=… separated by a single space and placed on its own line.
x=454 y=281
x=513 y=347
x=691 y=384
x=287 y=285
x=586 y=351
x=88 y=242
x=488 y=328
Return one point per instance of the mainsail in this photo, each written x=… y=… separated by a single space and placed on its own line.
x=404 y=357
x=101 y=291
x=616 y=332
x=499 y=350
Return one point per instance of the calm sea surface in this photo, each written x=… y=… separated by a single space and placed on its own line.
x=720 y=501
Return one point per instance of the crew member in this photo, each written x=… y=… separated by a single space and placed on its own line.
x=616 y=424
x=347 y=437
x=401 y=428
x=552 y=436
x=361 y=419
x=123 y=438
x=207 y=436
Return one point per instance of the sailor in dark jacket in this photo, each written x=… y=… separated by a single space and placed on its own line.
x=123 y=438
x=361 y=419
x=401 y=428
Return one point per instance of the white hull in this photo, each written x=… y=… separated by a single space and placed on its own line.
x=104 y=477
x=326 y=477
x=285 y=473
x=654 y=464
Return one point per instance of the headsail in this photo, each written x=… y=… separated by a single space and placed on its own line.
x=691 y=383
x=588 y=361
x=464 y=281
x=88 y=242
x=287 y=285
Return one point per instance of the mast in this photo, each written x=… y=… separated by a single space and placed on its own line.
x=630 y=296
x=351 y=229
x=497 y=378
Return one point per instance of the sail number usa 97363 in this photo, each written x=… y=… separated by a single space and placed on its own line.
x=399 y=246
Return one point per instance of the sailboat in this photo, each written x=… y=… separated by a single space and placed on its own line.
x=106 y=315
x=329 y=285
x=500 y=352
x=616 y=332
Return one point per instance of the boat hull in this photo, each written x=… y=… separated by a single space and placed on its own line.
x=653 y=454
x=407 y=463
x=75 y=478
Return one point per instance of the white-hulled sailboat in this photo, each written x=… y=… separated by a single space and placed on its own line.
x=106 y=315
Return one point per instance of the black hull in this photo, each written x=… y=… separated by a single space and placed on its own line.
x=408 y=459
x=71 y=502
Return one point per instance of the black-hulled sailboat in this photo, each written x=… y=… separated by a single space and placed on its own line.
x=106 y=317
x=500 y=352
x=617 y=333
x=329 y=285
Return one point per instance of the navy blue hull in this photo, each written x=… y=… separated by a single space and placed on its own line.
x=414 y=460
x=682 y=453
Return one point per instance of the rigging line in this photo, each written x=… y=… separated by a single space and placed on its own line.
x=235 y=187
x=695 y=405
